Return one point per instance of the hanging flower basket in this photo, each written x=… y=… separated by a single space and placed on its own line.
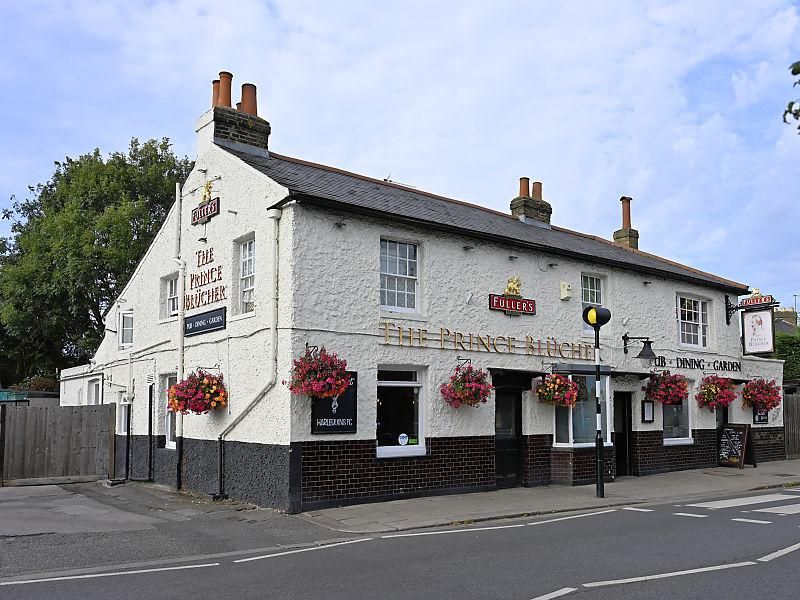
x=199 y=393
x=318 y=374
x=715 y=392
x=468 y=386
x=667 y=388
x=557 y=390
x=761 y=394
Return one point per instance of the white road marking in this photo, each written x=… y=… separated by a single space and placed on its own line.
x=600 y=512
x=752 y=521
x=635 y=509
x=786 y=509
x=114 y=574
x=556 y=594
x=444 y=531
x=665 y=575
x=779 y=553
x=734 y=502
x=690 y=515
x=242 y=560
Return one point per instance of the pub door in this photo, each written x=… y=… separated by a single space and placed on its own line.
x=623 y=425
x=722 y=420
x=508 y=436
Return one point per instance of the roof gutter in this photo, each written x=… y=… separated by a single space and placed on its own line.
x=327 y=203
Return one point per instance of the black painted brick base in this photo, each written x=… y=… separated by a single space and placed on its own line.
x=338 y=472
x=649 y=455
x=536 y=459
x=577 y=466
x=770 y=443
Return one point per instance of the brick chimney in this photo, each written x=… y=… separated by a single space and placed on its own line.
x=238 y=128
x=627 y=236
x=529 y=207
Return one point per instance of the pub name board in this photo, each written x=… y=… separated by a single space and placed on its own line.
x=204 y=285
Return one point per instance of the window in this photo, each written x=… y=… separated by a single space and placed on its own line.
x=591 y=294
x=93 y=392
x=692 y=321
x=170 y=428
x=398 y=276
x=247 y=275
x=399 y=430
x=170 y=306
x=123 y=410
x=676 y=422
x=126 y=328
x=578 y=425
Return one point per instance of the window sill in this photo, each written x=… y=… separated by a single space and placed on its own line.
x=399 y=314
x=240 y=316
x=678 y=441
x=580 y=445
x=125 y=347
x=169 y=446
x=399 y=451
x=705 y=349
x=167 y=320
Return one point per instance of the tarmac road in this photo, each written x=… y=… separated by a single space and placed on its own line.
x=743 y=548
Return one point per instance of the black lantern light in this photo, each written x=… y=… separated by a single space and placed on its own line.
x=646 y=355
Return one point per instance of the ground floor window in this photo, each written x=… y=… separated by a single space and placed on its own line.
x=93 y=392
x=676 y=422
x=578 y=425
x=399 y=425
x=170 y=428
x=123 y=409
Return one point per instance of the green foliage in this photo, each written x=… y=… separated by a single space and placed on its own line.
x=787 y=347
x=37 y=383
x=793 y=108
x=75 y=243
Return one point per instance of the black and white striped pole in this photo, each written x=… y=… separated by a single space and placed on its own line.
x=597 y=316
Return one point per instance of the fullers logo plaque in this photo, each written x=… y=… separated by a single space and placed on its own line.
x=511 y=301
x=208 y=208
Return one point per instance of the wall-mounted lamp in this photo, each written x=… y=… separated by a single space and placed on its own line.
x=646 y=355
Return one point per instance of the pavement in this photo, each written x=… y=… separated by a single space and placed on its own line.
x=437 y=511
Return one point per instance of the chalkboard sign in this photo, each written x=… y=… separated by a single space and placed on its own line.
x=760 y=416
x=735 y=446
x=337 y=414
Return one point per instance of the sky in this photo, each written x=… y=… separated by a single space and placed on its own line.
x=676 y=104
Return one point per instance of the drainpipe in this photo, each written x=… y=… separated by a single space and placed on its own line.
x=181 y=340
x=274 y=216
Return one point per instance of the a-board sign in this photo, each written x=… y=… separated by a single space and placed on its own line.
x=338 y=414
x=736 y=446
x=211 y=320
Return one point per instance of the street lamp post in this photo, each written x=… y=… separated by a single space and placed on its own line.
x=596 y=317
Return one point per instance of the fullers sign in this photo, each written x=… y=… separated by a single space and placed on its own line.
x=513 y=305
x=204 y=212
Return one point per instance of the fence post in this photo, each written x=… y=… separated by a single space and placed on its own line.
x=2 y=442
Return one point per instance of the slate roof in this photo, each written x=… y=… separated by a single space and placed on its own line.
x=327 y=186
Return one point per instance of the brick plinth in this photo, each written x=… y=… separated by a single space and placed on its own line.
x=649 y=455
x=341 y=472
x=770 y=443
x=576 y=466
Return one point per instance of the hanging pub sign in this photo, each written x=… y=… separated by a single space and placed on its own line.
x=337 y=414
x=511 y=301
x=211 y=320
x=758 y=335
x=756 y=301
x=208 y=207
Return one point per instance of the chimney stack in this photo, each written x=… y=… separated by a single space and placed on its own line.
x=225 y=80
x=249 y=103
x=214 y=93
x=530 y=207
x=627 y=236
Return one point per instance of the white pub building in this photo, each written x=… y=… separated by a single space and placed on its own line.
x=263 y=255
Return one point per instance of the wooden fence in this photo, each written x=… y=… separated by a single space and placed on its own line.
x=56 y=444
x=791 y=422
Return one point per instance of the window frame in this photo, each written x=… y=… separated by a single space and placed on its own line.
x=168 y=281
x=704 y=310
x=679 y=441
x=242 y=288
x=419 y=449
x=609 y=418
x=415 y=278
x=94 y=395
x=122 y=316
x=584 y=303
x=122 y=423
x=170 y=444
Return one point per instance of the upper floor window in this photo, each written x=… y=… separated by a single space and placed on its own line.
x=692 y=321
x=591 y=293
x=126 y=328
x=247 y=275
x=169 y=296
x=398 y=276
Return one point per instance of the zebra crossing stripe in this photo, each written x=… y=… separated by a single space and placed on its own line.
x=734 y=502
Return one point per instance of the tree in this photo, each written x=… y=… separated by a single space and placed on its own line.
x=787 y=348
x=793 y=108
x=75 y=243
